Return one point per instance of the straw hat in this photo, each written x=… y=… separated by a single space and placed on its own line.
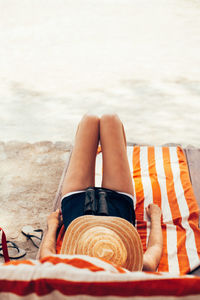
x=110 y=238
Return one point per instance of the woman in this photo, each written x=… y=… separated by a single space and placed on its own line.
x=116 y=192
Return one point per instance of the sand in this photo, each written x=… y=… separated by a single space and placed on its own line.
x=29 y=178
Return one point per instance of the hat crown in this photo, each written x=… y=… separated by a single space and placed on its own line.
x=103 y=242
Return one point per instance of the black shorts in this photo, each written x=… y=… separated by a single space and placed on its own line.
x=117 y=204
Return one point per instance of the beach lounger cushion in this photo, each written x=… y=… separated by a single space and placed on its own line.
x=83 y=277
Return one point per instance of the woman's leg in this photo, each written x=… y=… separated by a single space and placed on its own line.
x=81 y=170
x=116 y=171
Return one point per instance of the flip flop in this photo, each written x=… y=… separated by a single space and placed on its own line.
x=13 y=250
x=35 y=235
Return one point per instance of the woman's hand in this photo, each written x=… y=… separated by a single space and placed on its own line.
x=153 y=211
x=48 y=246
x=54 y=219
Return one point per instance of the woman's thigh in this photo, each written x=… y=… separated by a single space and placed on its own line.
x=116 y=171
x=81 y=170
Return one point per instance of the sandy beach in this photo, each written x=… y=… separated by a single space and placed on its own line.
x=63 y=59
x=29 y=176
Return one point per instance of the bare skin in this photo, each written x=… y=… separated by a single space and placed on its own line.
x=116 y=176
x=48 y=246
x=153 y=253
x=81 y=170
x=116 y=171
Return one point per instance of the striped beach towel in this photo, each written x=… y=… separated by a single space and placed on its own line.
x=160 y=175
x=83 y=277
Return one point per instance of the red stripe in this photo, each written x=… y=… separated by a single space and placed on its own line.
x=80 y=263
x=75 y=262
x=4 y=246
x=164 y=287
x=20 y=262
x=139 y=192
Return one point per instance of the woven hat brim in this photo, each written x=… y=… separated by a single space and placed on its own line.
x=125 y=230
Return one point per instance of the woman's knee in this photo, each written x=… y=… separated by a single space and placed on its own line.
x=90 y=120
x=110 y=120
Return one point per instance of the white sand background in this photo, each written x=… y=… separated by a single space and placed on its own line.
x=60 y=59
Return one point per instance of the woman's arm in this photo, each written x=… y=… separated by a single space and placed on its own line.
x=153 y=253
x=48 y=246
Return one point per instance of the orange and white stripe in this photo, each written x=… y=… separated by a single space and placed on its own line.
x=80 y=277
x=160 y=176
